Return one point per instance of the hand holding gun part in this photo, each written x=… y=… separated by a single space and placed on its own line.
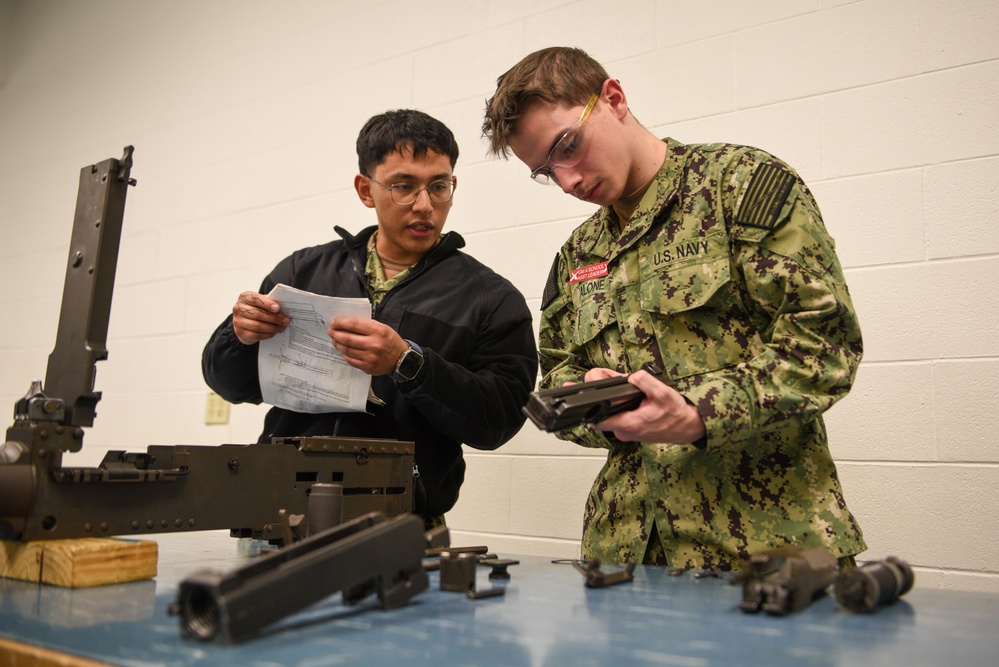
x=786 y=580
x=873 y=584
x=582 y=403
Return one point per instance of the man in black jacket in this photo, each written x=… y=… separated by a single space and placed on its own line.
x=449 y=347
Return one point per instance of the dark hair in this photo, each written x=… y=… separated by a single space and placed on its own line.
x=400 y=129
x=560 y=75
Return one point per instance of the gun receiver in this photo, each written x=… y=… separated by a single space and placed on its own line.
x=168 y=487
x=583 y=403
x=779 y=582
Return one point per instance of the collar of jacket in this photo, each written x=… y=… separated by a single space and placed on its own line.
x=448 y=243
x=653 y=206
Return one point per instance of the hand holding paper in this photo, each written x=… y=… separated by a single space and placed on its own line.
x=367 y=344
x=299 y=368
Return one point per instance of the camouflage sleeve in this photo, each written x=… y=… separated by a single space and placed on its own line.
x=793 y=285
x=557 y=352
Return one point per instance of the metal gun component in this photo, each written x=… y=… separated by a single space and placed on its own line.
x=86 y=295
x=707 y=574
x=500 y=566
x=458 y=575
x=292 y=528
x=438 y=540
x=365 y=556
x=583 y=403
x=166 y=488
x=873 y=584
x=325 y=507
x=783 y=581
x=324 y=511
x=49 y=422
x=595 y=578
x=698 y=574
x=436 y=551
x=236 y=487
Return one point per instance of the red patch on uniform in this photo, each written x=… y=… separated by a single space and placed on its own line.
x=590 y=272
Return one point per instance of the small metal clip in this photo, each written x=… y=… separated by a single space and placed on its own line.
x=597 y=579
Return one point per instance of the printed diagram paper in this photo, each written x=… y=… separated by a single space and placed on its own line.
x=300 y=369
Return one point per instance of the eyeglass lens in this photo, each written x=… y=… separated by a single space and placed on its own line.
x=569 y=150
x=405 y=194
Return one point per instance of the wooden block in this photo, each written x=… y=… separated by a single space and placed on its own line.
x=21 y=560
x=16 y=654
x=79 y=563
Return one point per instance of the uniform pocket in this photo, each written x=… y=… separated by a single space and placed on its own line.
x=594 y=314
x=696 y=310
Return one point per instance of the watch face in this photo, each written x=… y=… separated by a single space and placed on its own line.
x=409 y=365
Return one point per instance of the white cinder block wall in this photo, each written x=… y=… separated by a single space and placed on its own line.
x=244 y=115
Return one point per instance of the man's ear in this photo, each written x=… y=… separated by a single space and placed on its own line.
x=362 y=184
x=614 y=95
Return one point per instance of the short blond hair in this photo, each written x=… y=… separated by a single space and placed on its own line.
x=557 y=75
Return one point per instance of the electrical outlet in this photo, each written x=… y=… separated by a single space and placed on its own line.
x=216 y=409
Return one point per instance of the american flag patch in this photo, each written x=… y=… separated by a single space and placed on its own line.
x=767 y=191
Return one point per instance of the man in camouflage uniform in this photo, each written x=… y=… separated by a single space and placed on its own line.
x=710 y=264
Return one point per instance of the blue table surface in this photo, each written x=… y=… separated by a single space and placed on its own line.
x=547 y=617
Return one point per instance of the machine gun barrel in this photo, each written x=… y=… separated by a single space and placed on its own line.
x=367 y=555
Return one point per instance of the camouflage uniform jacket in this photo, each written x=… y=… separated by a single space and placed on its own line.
x=727 y=280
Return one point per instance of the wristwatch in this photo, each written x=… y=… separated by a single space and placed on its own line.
x=409 y=363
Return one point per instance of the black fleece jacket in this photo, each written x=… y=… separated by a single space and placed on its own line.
x=480 y=364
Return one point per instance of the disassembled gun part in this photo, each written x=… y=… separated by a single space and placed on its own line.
x=783 y=581
x=478 y=550
x=325 y=507
x=500 y=566
x=324 y=511
x=434 y=554
x=458 y=570
x=438 y=540
x=872 y=584
x=595 y=578
x=368 y=555
x=172 y=488
x=582 y=403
